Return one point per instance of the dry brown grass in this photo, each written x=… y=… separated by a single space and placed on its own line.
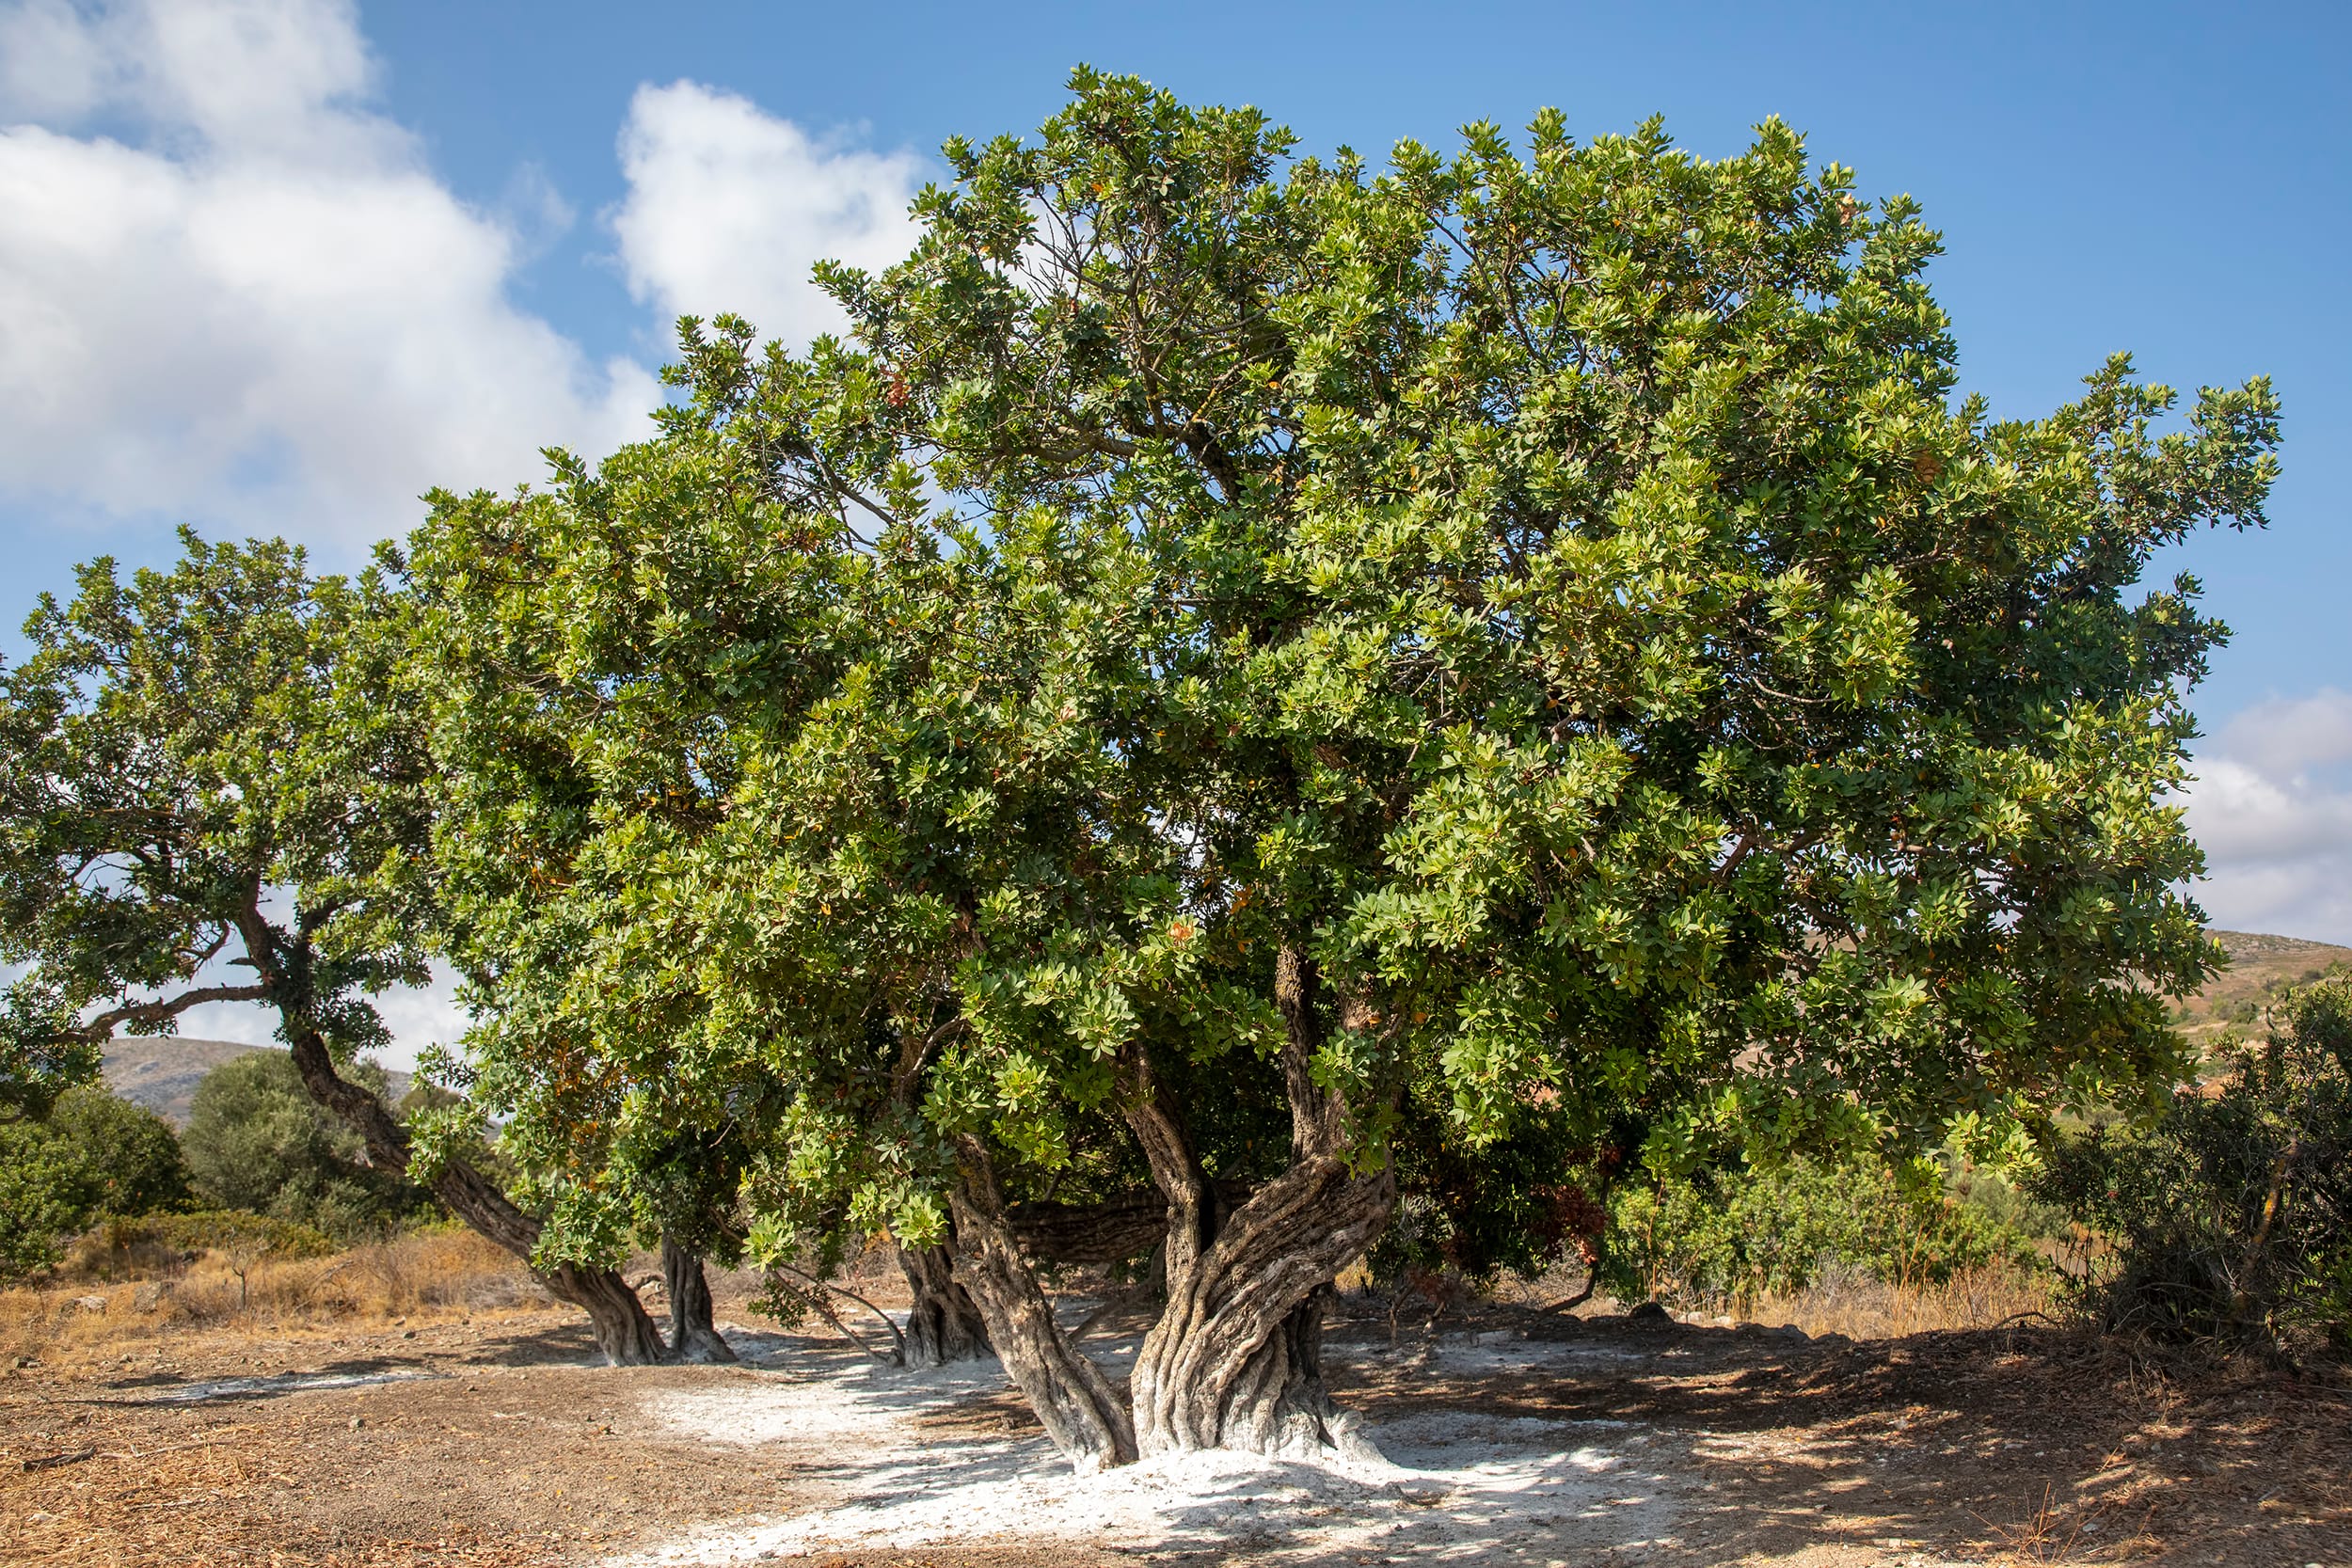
x=1850 y=1304
x=101 y=1302
x=1864 y=1309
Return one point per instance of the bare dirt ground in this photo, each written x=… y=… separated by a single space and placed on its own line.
x=1514 y=1440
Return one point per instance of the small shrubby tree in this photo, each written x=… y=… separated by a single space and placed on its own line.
x=257 y=1140
x=93 y=1156
x=1284 y=678
x=2230 y=1212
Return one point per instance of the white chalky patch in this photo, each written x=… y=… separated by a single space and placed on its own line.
x=1454 y=1485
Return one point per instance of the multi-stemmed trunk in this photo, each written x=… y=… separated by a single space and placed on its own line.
x=1080 y=1408
x=1235 y=1360
x=943 y=1324
x=694 y=1335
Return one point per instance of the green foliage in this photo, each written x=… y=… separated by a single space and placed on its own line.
x=202 y=764
x=94 y=1155
x=1551 y=595
x=40 y=1054
x=257 y=1141
x=135 y=1157
x=2231 y=1213
x=1734 y=1236
x=48 y=1191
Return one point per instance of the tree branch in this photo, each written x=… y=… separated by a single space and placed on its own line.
x=103 y=1027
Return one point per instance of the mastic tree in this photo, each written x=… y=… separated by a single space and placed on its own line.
x=1521 y=652
x=212 y=790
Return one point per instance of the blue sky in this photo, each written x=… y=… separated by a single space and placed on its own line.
x=278 y=265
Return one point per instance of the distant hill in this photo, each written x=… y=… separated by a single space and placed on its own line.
x=2261 y=968
x=161 y=1072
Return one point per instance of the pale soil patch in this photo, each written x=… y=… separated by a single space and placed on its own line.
x=491 y=1439
x=931 y=1460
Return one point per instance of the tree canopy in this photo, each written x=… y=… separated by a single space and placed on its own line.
x=213 y=789
x=1246 y=666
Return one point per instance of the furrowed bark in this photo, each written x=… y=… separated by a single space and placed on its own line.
x=1235 y=1359
x=692 y=1335
x=943 y=1324
x=1081 y=1411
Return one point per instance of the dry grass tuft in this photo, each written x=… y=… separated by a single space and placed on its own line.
x=1864 y=1309
x=113 y=1298
x=1848 y=1303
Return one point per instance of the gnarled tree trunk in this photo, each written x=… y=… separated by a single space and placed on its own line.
x=943 y=1324
x=692 y=1335
x=624 y=1332
x=1235 y=1359
x=1082 y=1412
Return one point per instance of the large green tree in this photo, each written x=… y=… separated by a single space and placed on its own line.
x=1522 y=651
x=212 y=789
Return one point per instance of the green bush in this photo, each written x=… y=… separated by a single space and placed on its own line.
x=93 y=1155
x=1732 y=1235
x=47 y=1192
x=257 y=1141
x=2229 y=1218
x=134 y=1156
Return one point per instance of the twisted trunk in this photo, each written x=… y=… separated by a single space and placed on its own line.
x=1081 y=1411
x=943 y=1324
x=692 y=1335
x=1235 y=1359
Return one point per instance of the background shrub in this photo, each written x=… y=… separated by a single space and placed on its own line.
x=256 y=1141
x=93 y=1155
x=2229 y=1218
x=1734 y=1234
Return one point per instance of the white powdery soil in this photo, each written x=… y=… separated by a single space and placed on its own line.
x=1454 y=1486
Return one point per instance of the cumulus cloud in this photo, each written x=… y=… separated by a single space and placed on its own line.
x=233 y=291
x=2272 y=805
x=253 y=303
x=729 y=207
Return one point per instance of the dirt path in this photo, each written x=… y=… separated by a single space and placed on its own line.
x=1512 y=1440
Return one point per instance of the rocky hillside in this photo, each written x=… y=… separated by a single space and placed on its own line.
x=162 y=1072
x=2261 y=968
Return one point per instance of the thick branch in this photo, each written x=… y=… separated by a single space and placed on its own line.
x=101 y=1028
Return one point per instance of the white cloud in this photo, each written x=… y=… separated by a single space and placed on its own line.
x=268 y=313
x=2274 y=812
x=232 y=292
x=729 y=207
